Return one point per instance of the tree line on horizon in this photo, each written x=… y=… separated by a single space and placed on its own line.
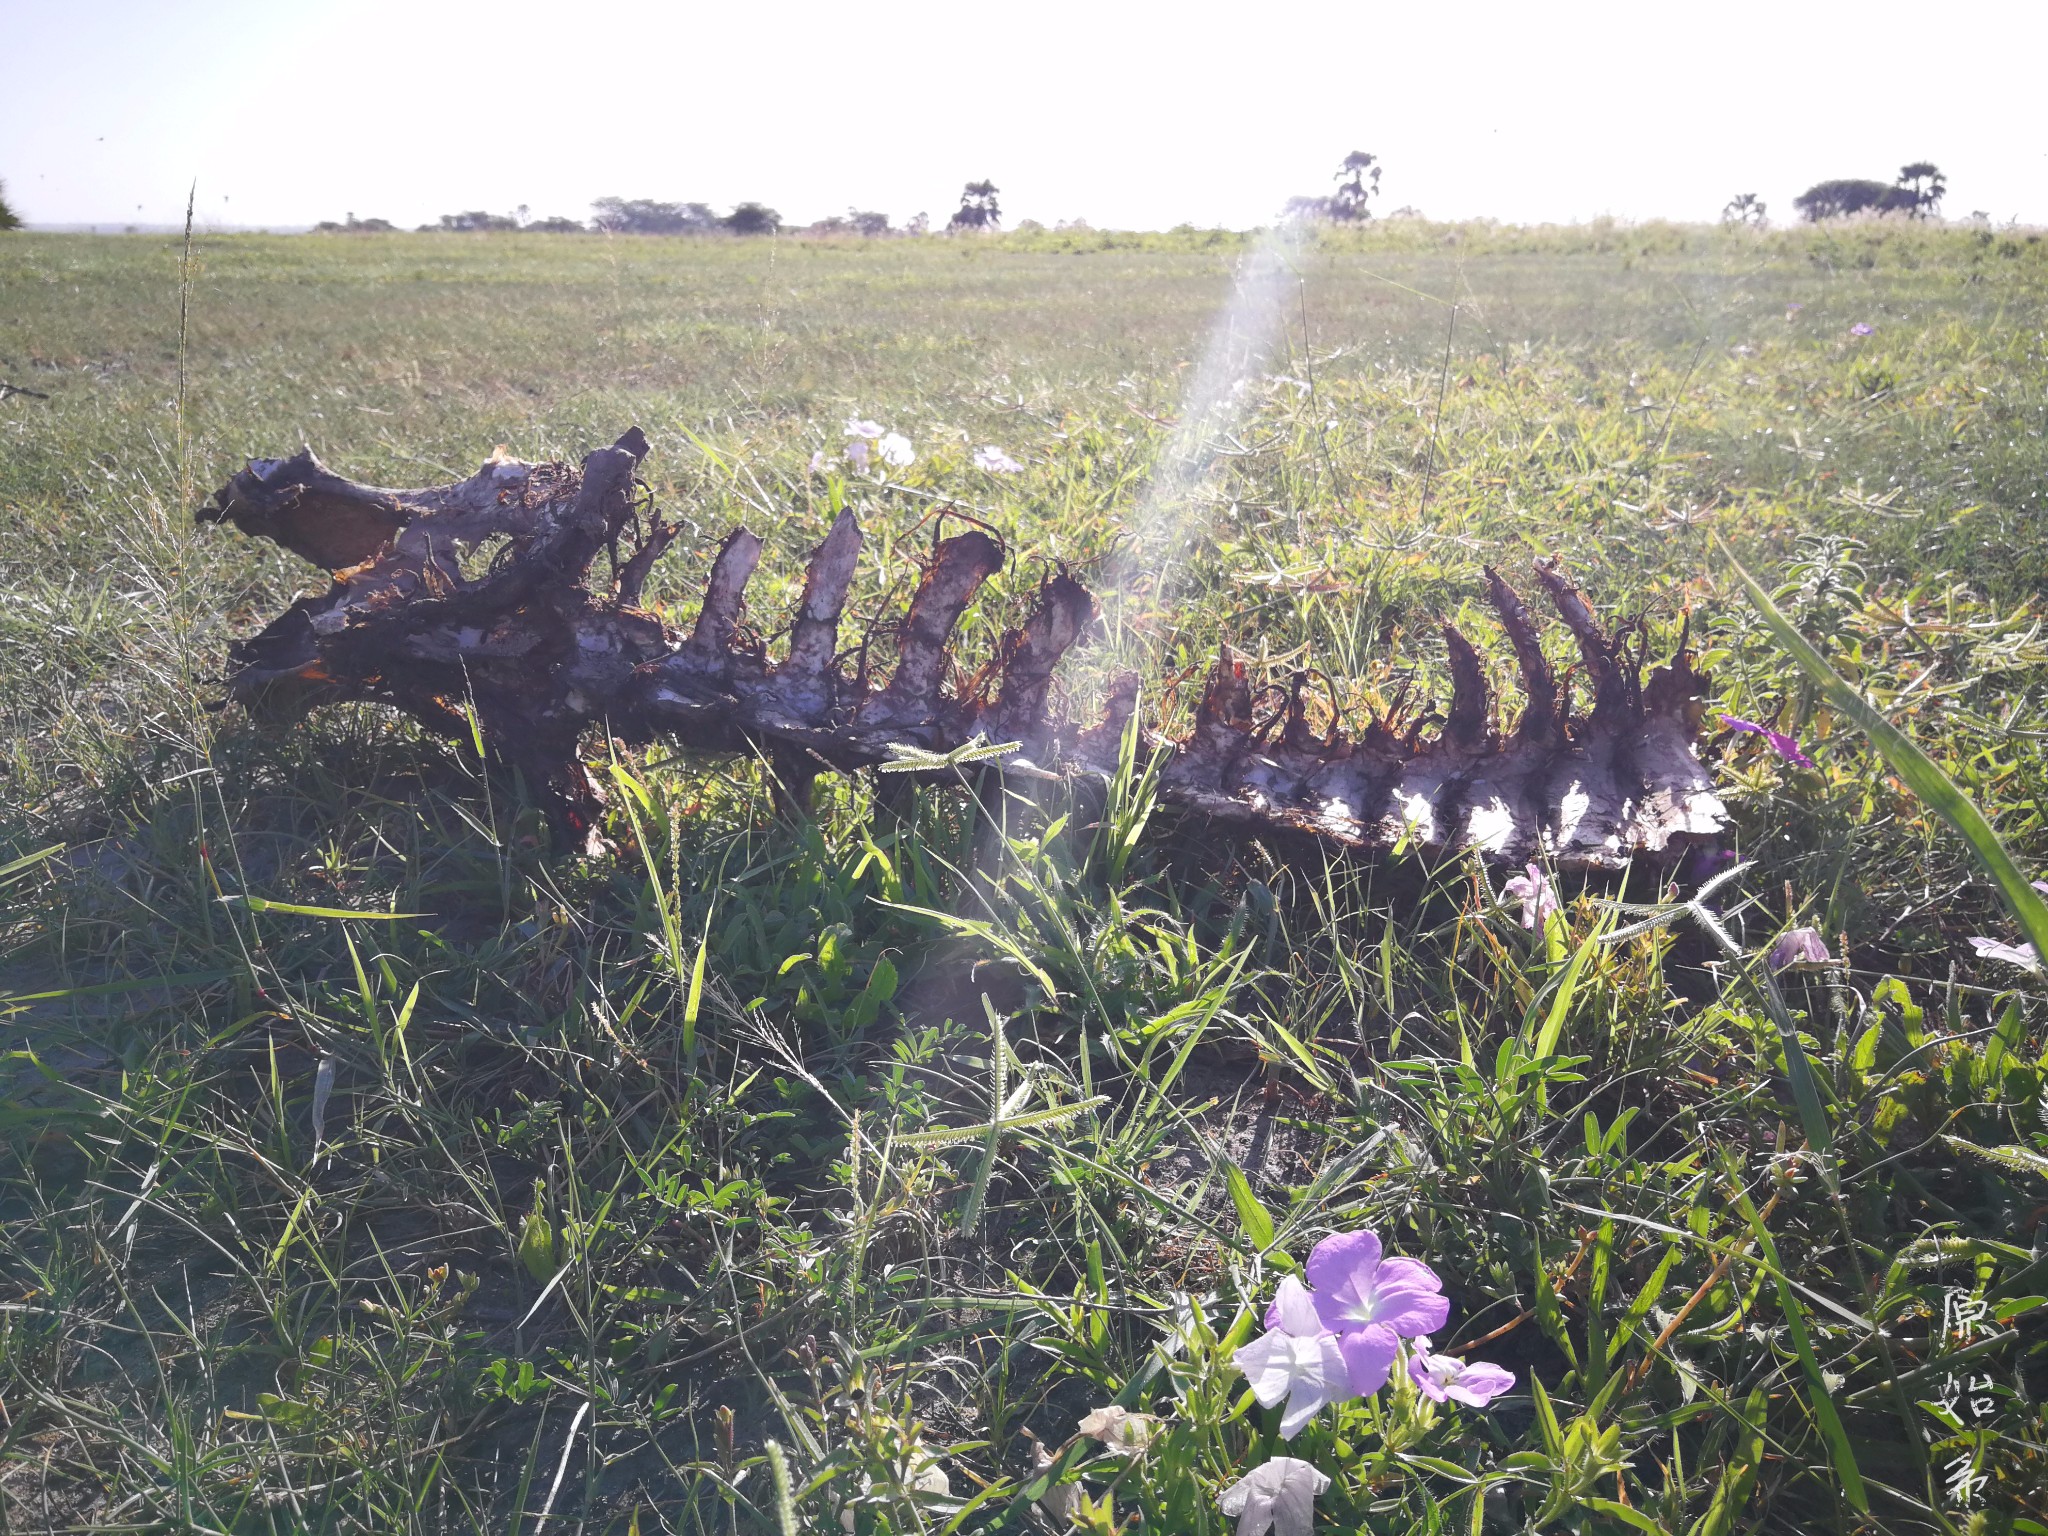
x=1916 y=193
x=979 y=210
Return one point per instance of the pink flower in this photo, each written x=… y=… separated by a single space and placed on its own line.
x=1474 y=1384
x=1782 y=744
x=857 y=427
x=1798 y=948
x=1297 y=1360
x=1859 y=329
x=2022 y=955
x=1534 y=892
x=996 y=462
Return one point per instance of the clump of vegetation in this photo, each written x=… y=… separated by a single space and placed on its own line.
x=641 y=216
x=868 y=225
x=752 y=219
x=355 y=226
x=9 y=219
x=1917 y=193
x=1746 y=208
x=978 y=207
x=364 y=1167
x=1358 y=182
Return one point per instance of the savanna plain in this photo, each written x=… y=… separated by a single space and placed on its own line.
x=366 y=1165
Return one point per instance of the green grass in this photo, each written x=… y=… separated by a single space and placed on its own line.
x=698 y=1190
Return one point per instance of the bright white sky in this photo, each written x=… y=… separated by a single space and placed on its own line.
x=1129 y=115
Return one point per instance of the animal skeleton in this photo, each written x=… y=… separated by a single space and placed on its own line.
x=545 y=656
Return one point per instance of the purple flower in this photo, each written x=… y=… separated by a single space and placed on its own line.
x=1474 y=1384
x=1793 y=308
x=1782 y=744
x=1298 y=1360
x=1859 y=329
x=1798 y=948
x=1372 y=1302
x=995 y=461
x=2022 y=955
x=1534 y=892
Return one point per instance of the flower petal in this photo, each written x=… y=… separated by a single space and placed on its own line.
x=1278 y=1495
x=2021 y=955
x=1479 y=1383
x=1408 y=1297
x=1293 y=1309
x=1424 y=1378
x=1268 y=1366
x=1368 y=1357
x=1339 y=1257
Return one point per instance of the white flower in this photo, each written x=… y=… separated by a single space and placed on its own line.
x=995 y=461
x=818 y=462
x=1061 y=1500
x=1296 y=1359
x=1278 y=1496
x=895 y=449
x=857 y=426
x=2022 y=955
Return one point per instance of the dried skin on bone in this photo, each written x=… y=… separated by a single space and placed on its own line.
x=545 y=654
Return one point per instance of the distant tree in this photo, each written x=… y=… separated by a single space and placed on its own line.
x=920 y=224
x=1838 y=199
x=1923 y=181
x=1745 y=208
x=9 y=219
x=476 y=222
x=1306 y=210
x=978 y=207
x=356 y=226
x=753 y=219
x=640 y=216
x=558 y=226
x=1358 y=181
x=854 y=221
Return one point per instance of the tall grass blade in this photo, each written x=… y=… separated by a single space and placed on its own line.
x=1919 y=772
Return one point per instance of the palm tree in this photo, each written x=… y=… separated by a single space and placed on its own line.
x=1924 y=181
x=1358 y=179
x=978 y=207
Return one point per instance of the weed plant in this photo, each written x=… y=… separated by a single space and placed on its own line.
x=368 y=1168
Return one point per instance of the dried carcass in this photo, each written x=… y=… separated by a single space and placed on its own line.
x=544 y=657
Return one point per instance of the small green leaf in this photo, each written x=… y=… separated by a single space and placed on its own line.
x=1252 y=1216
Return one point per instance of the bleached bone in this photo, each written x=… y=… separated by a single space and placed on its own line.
x=545 y=657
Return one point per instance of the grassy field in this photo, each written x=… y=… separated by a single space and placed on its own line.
x=666 y=1192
